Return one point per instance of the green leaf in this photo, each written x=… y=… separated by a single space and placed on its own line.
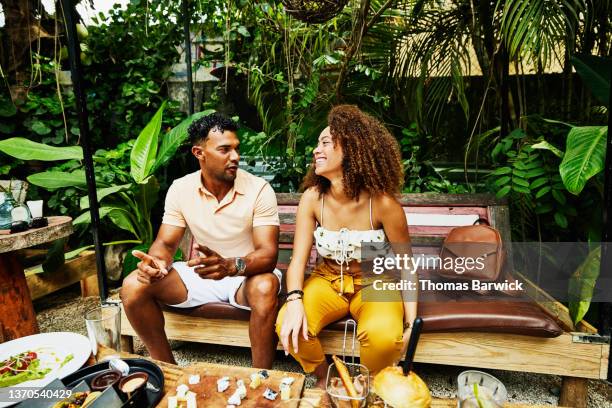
x=538 y=183
x=582 y=283
x=25 y=149
x=147 y=194
x=584 y=156
x=55 y=256
x=501 y=171
x=544 y=145
x=535 y=172
x=121 y=218
x=503 y=192
x=521 y=189
x=542 y=192
x=85 y=218
x=40 y=128
x=559 y=196
x=144 y=151
x=520 y=181
x=243 y=31
x=560 y=219
x=175 y=138
x=52 y=180
x=76 y=252
x=595 y=72
x=502 y=181
x=7 y=109
x=103 y=192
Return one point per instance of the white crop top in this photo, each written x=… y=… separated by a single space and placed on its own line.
x=345 y=245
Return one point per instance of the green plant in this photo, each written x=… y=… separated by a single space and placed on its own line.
x=126 y=194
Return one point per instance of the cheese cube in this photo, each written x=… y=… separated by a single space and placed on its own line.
x=269 y=394
x=285 y=392
x=287 y=380
x=191 y=399
x=255 y=380
x=181 y=391
x=234 y=399
x=223 y=384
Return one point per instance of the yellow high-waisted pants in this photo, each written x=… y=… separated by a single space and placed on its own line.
x=379 y=324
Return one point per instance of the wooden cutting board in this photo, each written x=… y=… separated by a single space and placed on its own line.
x=208 y=397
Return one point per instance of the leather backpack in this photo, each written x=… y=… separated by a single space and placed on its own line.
x=472 y=252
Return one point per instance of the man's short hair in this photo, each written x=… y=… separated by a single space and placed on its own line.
x=199 y=128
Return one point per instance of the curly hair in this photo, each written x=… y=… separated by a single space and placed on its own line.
x=199 y=128
x=371 y=155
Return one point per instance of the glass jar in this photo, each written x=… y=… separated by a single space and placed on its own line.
x=6 y=206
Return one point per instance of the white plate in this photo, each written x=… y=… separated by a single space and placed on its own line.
x=52 y=350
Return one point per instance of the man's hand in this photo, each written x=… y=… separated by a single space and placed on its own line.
x=211 y=265
x=150 y=268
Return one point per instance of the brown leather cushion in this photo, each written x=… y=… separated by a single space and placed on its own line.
x=516 y=317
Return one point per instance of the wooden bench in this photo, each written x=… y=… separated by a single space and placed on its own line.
x=550 y=345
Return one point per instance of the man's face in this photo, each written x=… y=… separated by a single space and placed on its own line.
x=219 y=154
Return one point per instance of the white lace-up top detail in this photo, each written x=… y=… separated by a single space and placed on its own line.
x=345 y=245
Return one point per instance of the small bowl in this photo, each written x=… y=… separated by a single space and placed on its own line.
x=140 y=376
x=104 y=380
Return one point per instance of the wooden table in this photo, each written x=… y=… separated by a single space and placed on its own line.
x=17 y=316
x=315 y=397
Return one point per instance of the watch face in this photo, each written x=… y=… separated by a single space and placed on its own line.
x=240 y=265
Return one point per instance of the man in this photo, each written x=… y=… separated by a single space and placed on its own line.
x=233 y=217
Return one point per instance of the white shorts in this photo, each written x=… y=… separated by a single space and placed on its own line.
x=201 y=291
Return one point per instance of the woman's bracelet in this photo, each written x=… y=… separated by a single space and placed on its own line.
x=293 y=292
x=292 y=299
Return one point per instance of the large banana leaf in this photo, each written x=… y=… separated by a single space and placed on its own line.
x=595 y=72
x=85 y=218
x=582 y=283
x=175 y=138
x=122 y=218
x=144 y=151
x=52 y=180
x=584 y=156
x=103 y=192
x=25 y=149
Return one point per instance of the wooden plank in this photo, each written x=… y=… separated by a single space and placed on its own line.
x=559 y=356
x=89 y=286
x=605 y=356
x=71 y=272
x=420 y=199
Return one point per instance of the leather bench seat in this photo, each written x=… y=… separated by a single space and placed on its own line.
x=506 y=316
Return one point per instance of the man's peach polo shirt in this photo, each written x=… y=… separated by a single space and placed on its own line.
x=227 y=226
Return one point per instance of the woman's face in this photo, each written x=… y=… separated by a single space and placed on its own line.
x=327 y=156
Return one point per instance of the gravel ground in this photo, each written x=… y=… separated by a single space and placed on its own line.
x=63 y=311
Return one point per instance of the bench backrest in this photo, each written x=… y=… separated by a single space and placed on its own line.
x=430 y=217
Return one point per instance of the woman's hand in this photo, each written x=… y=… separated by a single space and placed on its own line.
x=295 y=319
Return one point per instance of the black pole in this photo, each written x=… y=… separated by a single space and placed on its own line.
x=605 y=275
x=186 y=19
x=81 y=106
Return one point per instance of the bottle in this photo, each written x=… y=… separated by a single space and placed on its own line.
x=6 y=206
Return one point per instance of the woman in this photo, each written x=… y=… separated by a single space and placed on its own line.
x=349 y=198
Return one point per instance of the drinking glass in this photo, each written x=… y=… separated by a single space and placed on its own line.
x=104 y=330
x=477 y=389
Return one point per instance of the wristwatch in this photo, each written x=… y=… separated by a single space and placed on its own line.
x=240 y=266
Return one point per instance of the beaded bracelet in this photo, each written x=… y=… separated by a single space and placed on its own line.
x=298 y=291
x=291 y=300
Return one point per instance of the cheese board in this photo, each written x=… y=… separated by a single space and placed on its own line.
x=203 y=380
